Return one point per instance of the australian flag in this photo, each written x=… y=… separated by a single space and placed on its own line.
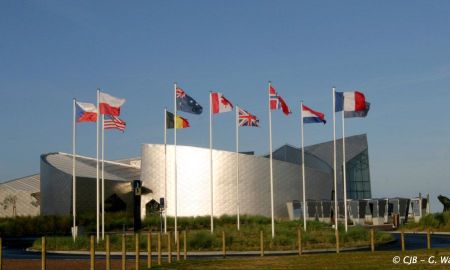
x=187 y=104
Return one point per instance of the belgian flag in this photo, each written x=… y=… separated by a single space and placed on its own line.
x=180 y=123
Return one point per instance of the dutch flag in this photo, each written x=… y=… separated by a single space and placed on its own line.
x=311 y=116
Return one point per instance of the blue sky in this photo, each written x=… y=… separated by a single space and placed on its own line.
x=396 y=52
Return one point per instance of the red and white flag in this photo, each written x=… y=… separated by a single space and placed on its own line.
x=219 y=103
x=110 y=105
x=277 y=102
x=111 y=122
x=85 y=112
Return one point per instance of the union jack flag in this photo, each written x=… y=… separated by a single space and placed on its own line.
x=180 y=93
x=247 y=119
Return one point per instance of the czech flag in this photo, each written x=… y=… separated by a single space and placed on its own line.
x=110 y=105
x=85 y=112
x=312 y=116
x=350 y=101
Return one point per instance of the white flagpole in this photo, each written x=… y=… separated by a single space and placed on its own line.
x=175 y=157
x=74 y=233
x=98 y=181
x=344 y=171
x=103 y=177
x=211 y=163
x=237 y=169
x=165 y=168
x=271 y=166
x=303 y=169
x=334 y=164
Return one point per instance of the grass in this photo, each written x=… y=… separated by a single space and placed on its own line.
x=347 y=260
x=318 y=236
x=437 y=222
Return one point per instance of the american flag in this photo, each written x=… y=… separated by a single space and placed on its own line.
x=114 y=122
x=247 y=119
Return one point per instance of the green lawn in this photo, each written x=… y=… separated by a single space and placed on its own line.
x=318 y=236
x=347 y=260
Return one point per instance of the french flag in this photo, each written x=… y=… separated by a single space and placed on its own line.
x=311 y=116
x=353 y=101
x=110 y=105
x=85 y=112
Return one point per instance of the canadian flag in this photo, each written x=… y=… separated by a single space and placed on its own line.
x=219 y=103
x=109 y=104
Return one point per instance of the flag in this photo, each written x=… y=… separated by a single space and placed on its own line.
x=85 y=112
x=220 y=103
x=277 y=102
x=311 y=116
x=350 y=101
x=112 y=121
x=362 y=113
x=109 y=104
x=187 y=104
x=180 y=123
x=247 y=119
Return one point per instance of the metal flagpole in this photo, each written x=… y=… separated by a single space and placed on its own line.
x=344 y=171
x=271 y=166
x=237 y=168
x=165 y=168
x=175 y=157
x=74 y=232
x=98 y=181
x=211 y=163
x=303 y=170
x=334 y=165
x=103 y=177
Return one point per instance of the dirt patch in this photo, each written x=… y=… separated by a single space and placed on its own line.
x=69 y=264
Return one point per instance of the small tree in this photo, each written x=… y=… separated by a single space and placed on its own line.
x=10 y=201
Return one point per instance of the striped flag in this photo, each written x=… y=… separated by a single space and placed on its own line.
x=112 y=121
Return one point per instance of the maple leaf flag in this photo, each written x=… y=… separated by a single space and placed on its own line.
x=220 y=104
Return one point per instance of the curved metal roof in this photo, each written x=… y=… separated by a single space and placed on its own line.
x=28 y=183
x=87 y=167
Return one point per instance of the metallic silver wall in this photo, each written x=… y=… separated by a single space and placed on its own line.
x=194 y=181
x=56 y=184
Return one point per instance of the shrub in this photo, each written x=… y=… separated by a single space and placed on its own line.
x=431 y=220
x=202 y=240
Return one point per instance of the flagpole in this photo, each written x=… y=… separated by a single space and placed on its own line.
x=334 y=167
x=237 y=168
x=103 y=177
x=175 y=157
x=97 y=180
x=211 y=163
x=271 y=166
x=74 y=233
x=165 y=169
x=303 y=169
x=344 y=171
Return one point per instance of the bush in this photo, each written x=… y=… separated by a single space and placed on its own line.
x=202 y=240
x=430 y=220
x=357 y=233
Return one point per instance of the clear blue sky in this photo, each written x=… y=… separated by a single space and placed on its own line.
x=396 y=52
